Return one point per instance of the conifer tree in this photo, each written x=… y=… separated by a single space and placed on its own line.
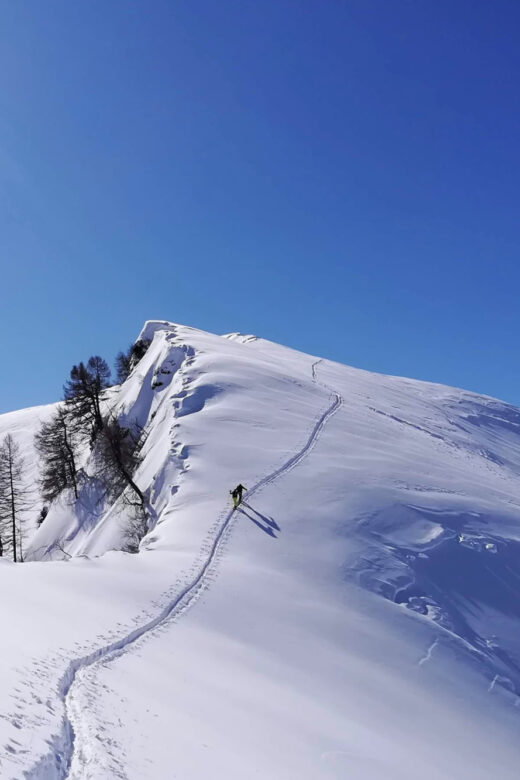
x=56 y=443
x=82 y=393
x=117 y=451
x=14 y=497
x=126 y=361
x=123 y=367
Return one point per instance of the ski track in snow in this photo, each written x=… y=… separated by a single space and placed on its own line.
x=65 y=747
x=427 y=656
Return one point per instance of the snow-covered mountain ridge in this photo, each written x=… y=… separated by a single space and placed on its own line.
x=284 y=666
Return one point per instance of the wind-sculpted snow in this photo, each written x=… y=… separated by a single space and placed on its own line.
x=357 y=616
x=441 y=565
x=454 y=555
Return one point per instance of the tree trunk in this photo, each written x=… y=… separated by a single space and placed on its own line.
x=72 y=462
x=13 y=510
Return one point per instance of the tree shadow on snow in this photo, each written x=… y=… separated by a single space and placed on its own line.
x=266 y=524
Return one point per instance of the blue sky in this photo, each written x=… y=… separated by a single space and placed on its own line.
x=339 y=176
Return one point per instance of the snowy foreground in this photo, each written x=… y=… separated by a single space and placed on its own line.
x=358 y=618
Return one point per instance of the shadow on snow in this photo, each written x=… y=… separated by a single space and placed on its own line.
x=266 y=524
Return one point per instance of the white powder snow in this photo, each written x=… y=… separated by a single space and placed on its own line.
x=358 y=617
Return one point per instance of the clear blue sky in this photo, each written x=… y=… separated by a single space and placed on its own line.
x=341 y=176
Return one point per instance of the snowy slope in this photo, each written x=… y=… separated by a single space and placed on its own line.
x=357 y=618
x=21 y=426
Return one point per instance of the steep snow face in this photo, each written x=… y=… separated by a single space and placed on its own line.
x=365 y=617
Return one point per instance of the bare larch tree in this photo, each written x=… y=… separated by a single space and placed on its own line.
x=14 y=497
x=56 y=443
x=82 y=393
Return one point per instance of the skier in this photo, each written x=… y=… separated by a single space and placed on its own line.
x=237 y=495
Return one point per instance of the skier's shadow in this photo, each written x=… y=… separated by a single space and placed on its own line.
x=266 y=524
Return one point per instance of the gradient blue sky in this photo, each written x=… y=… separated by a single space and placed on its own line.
x=341 y=176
